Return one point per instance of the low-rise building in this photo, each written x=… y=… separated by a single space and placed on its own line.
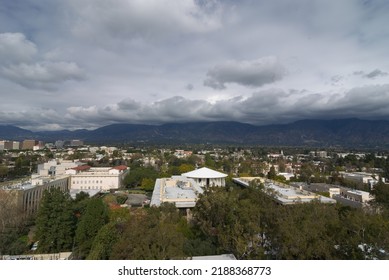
x=360 y=177
x=206 y=177
x=84 y=177
x=343 y=195
x=285 y=194
x=28 y=194
x=184 y=190
x=180 y=190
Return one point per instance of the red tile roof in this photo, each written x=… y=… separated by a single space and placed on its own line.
x=81 y=168
x=120 y=167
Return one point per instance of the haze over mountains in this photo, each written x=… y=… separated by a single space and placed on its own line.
x=354 y=133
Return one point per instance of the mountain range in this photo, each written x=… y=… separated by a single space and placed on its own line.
x=353 y=133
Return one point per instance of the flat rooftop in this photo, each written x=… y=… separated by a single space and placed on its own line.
x=285 y=194
x=18 y=186
x=293 y=195
x=181 y=191
x=74 y=192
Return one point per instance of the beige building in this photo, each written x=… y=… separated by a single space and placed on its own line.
x=84 y=177
x=9 y=145
x=28 y=196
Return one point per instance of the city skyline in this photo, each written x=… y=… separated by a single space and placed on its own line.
x=85 y=64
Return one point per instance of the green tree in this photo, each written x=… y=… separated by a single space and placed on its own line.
x=183 y=168
x=381 y=194
x=232 y=220
x=147 y=184
x=152 y=234
x=103 y=242
x=362 y=235
x=136 y=175
x=3 y=171
x=302 y=231
x=272 y=173
x=94 y=217
x=55 y=222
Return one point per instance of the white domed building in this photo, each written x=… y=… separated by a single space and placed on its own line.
x=206 y=177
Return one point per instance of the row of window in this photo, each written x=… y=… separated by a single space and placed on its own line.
x=88 y=182
x=91 y=188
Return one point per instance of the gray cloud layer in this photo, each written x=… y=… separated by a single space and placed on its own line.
x=254 y=73
x=82 y=64
x=262 y=107
x=20 y=63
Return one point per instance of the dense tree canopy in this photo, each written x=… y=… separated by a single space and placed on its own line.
x=55 y=222
x=94 y=217
x=152 y=234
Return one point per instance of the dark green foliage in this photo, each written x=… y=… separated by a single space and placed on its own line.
x=251 y=226
x=362 y=235
x=232 y=219
x=94 y=217
x=121 y=199
x=81 y=196
x=302 y=231
x=14 y=241
x=103 y=242
x=381 y=193
x=55 y=222
x=152 y=234
x=272 y=173
x=135 y=176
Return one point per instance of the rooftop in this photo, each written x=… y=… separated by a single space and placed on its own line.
x=204 y=172
x=181 y=191
x=286 y=194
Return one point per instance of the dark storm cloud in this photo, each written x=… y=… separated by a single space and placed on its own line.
x=253 y=73
x=371 y=75
x=376 y=73
x=263 y=107
x=166 y=60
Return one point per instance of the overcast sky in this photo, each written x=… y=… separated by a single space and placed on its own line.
x=88 y=63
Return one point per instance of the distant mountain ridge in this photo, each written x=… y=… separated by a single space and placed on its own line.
x=324 y=133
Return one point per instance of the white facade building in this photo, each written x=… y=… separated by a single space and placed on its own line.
x=206 y=177
x=85 y=177
x=184 y=190
x=180 y=190
x=361 y=177
x=56 y=167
